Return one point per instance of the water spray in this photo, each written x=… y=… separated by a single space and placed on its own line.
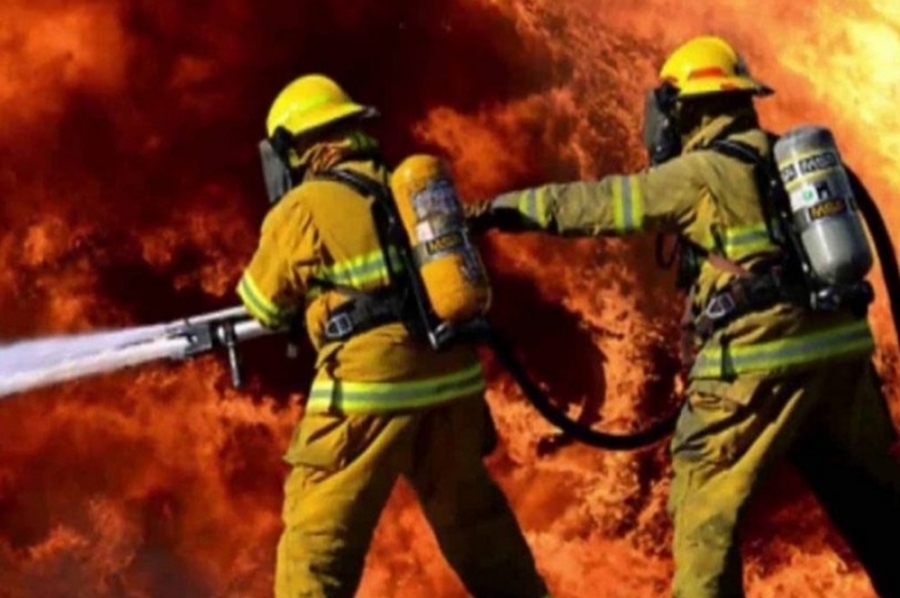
x=32 y=364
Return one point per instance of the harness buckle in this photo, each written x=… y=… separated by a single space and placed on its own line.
x=720 y=306
x=338 y=326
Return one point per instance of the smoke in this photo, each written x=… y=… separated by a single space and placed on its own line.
x=133 y=195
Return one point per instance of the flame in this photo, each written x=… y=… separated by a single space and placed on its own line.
x=133 y=196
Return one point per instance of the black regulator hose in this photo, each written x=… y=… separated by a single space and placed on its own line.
x=580 y=432
x=883 y=246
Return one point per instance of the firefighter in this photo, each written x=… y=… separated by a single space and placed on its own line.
x=382 y=404
x=771 y=379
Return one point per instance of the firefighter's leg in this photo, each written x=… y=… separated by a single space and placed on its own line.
x=727 y=438
x=847 y=463
x=474 y=525
x=344 y=468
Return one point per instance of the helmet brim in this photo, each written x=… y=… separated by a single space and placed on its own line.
x=717 y=85
x=314 y=121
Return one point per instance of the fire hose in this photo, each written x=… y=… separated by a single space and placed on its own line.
x=32 y=364
x=652 y=434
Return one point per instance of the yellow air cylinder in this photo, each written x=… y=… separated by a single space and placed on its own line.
x=450 y=266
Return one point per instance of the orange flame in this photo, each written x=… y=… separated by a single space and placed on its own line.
x=132 y=195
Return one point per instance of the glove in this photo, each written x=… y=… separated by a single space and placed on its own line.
x=479 y=216
x=495 y=213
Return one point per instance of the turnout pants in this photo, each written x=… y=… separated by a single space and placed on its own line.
x=832 y=423
x=344 y=468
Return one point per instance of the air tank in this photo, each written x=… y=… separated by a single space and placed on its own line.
x=454 y=276
x=823 y=207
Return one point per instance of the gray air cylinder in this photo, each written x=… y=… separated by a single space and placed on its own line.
x=823 y=207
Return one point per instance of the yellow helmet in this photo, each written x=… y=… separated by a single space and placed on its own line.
x=708 y=64
x=310 y=102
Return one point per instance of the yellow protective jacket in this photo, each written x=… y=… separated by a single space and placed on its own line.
x=320 y=232
x=710 y=199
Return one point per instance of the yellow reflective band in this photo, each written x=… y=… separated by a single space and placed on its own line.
x=628 y=205
x=637 y=202
x=541 y=216
x=531 y=203
x=364 y=397
x=809 y=179
x=717 y=361
x=257 y=303
x=806 y=178
x=618 y=216
x=360 y=271
x=744 y=240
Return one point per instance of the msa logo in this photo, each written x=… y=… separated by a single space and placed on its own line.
x=832 y=207
x=818 y=162
x=788 y=174
x=444 y=243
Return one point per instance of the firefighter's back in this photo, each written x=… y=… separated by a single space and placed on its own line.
x=784 y=336
x=387 y=361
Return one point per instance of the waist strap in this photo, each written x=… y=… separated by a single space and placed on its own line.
x=363 y=312
x=743 y=295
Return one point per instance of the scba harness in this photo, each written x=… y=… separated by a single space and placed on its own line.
x=396 y=302
x=788 y=278
x=437 y=285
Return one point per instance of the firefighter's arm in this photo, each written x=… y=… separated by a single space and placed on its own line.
x=657 y=199
x=275 y=281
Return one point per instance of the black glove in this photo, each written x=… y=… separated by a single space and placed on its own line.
x=479 y=216
x=484 y=215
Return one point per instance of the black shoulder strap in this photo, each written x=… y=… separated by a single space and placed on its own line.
x=738 y=150
x=358 y=182
x=768 y=183
x=387 y=223
x=391 y=233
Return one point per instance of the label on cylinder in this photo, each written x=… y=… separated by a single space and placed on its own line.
x=438 y=198
x=832 y=207
x=810 y=193
x=804 y=166
x=443 y=244
x=424 y=232
x=439 y=230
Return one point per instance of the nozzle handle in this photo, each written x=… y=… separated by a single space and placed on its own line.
x=230 y=341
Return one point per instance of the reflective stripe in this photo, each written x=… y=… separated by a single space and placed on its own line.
x=531 y=203
x=716 y=361
x=360 y=271
x=257 y=304
x=744 y=240
x=628 y=205
x=363 y=397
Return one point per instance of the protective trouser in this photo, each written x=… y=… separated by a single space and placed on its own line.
x=344 y=468
x=832 y=423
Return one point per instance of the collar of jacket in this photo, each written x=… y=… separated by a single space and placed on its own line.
x=711 y=128
x=372 y=169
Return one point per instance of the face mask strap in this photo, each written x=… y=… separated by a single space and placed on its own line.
x=281 y=141
x=666 y=97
